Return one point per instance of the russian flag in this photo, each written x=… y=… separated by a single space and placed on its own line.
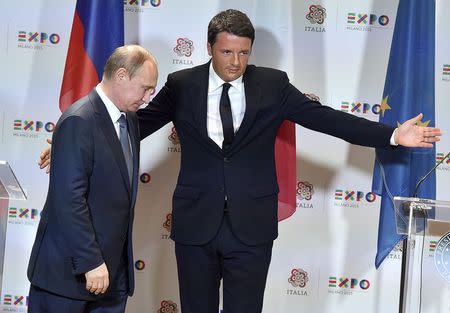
x=285 y=159
x=97 y=29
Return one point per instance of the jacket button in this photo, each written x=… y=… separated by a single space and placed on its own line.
x=226 y=160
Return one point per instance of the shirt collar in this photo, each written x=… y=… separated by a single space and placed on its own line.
x=113 y=111
x=215 y=82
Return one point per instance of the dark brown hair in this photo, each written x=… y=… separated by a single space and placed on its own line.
x=231 y=21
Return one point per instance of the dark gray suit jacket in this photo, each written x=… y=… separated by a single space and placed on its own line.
x=88 y=215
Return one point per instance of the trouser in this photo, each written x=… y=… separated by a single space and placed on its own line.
x=243 y=269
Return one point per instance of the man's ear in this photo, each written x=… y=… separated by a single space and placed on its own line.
x=121 y=74
x=209 y=49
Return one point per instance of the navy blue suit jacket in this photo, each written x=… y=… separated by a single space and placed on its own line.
x=88 y=215
x=245 y=174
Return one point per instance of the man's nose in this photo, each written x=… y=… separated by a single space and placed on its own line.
x=147 y=95
x=235 y=59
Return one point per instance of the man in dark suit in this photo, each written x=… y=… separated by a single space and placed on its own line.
x=82 y=258
x=227 y=115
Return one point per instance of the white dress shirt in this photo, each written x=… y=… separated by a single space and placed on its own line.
x=113 y=111
x=237 y=101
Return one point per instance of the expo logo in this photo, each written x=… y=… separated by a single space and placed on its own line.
x=33 y=126
x=37 y=37
x=139 y=265
x=143 y=3
x=348 y=283
x=360 y=108
x=24 y=213
x=353 y=195
x=145 y=178
x=446 y=72
x=367 y=19
x=440 y=157
x=14 y=300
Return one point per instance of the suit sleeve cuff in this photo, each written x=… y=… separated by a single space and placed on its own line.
x=392 y=141
x=81 y=266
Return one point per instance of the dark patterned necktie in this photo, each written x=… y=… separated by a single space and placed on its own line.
x=125 y=142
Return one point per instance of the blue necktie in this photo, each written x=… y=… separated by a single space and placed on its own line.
x=125 y=142
x=227 y=117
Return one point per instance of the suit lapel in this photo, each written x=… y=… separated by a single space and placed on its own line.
x=252 y=100
x=107 y=127
x=200 y=99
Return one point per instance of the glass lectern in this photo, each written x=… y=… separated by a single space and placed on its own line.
x=426 y=279
x=10 y=189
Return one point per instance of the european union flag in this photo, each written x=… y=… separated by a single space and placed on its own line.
x=408 y=91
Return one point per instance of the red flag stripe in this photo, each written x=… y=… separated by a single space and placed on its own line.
x=285 y=158
x=78 y=65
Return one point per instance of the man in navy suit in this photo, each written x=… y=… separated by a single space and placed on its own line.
x=82 y=258
x=227 y=115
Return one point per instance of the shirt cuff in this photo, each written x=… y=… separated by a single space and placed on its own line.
x=392 y=141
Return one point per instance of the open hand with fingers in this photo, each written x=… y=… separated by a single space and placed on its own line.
x=409 y=134
x=97 y=280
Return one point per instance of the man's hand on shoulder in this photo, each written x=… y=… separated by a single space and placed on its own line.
x=409 y=134
x=45 y=157
x=97 y=280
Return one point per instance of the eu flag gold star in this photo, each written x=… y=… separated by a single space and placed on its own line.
x=384 y=105
x=419 y=123
x=423 y=124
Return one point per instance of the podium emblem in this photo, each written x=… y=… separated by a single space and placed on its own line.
x=442 y=257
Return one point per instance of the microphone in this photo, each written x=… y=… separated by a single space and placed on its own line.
x=428 y=174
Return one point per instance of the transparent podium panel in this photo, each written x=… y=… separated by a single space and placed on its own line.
x=9 y=185
x=426 y=224
x=10 y=189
